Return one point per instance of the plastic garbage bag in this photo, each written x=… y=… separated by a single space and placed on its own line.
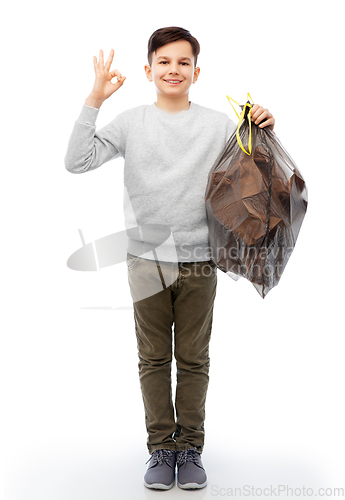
x=256 y=200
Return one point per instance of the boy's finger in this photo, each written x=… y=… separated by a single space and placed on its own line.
x=264 y=114
x=268 y=123
x=116 y=73
x=109 y=60
x=260 y=114
x=254 y=109
x=119 y=83
x=101 y=59
x=95 y=64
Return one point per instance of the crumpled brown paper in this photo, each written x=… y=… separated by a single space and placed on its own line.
x=255 y=205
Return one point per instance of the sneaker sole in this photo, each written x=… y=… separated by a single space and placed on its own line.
x=159 y=486
x=189 y=486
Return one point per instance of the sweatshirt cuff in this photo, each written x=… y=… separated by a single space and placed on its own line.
x=88 y=115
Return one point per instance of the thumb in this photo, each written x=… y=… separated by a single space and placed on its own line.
x=115 y=73
x=120 y=80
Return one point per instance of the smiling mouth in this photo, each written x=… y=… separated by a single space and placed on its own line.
x=173 y=82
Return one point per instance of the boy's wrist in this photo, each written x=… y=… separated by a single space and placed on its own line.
x=93 y=102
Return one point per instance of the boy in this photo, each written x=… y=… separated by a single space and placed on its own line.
x=169 y=148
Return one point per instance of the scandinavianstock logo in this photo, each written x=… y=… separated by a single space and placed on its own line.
x=142 y=241
x=151 y=242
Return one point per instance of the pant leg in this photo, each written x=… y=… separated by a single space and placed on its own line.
x=193 y=300
x=153 y=318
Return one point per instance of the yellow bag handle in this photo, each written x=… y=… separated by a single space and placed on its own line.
x=240 y=121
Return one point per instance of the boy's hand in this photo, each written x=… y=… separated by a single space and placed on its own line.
x=258 y=113
x=103 y=87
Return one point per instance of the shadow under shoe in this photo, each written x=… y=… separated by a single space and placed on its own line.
x=190 y=471
x=160 y=473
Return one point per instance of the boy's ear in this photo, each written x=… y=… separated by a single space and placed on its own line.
x=148 y=72
x=196 y=74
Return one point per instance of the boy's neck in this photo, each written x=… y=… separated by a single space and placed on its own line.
x=173 y=106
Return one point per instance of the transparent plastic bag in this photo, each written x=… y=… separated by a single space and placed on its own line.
x=255 y=205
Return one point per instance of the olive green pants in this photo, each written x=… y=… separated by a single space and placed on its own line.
x=187 y=303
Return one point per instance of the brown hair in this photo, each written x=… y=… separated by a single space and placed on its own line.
x=163 y=36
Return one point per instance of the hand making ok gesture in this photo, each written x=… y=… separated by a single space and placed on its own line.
x=103 y=86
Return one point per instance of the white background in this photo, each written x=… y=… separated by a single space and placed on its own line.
x=73 y=425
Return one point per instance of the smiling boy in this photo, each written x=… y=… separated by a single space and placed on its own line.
x=169 y=147
x=173 y=71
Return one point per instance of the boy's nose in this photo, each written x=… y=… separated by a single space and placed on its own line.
x=173 y=68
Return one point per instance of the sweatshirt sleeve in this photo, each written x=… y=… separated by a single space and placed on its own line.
x=230 y=129
x=88 y=149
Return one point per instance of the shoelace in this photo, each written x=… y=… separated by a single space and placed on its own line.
x=160 y=456
x=190 y=455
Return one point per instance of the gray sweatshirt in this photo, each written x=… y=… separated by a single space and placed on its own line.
x=167 y=161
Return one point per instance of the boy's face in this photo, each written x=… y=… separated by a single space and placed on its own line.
x=172 y=69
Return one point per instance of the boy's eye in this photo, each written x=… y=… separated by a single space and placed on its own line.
x=166 y=62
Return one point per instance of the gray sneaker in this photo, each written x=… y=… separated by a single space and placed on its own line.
x=160 y=473
x=190 y=471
